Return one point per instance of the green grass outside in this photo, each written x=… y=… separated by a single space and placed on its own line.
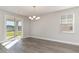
x=11 y=34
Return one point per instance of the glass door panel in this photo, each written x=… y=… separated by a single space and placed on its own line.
x=19 y=28
x=10 y=28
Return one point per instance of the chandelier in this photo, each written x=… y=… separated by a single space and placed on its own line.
x=34 y=17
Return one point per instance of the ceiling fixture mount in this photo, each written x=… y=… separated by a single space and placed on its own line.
x=34 y=17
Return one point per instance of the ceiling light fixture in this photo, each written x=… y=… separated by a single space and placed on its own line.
x=34 y=17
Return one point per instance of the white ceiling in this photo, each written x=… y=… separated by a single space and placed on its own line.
x=29 y=10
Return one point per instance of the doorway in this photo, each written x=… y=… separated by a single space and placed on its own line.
x=14 y=31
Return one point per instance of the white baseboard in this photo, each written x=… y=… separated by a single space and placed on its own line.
x=25 y=36
x=66 y=42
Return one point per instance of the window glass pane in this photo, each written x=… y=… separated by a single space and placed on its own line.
x=19 y=32
x=10 y=26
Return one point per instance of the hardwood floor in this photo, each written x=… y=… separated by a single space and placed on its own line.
x=33 y=45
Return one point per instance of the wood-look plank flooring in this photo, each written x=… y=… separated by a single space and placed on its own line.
x=33 y=45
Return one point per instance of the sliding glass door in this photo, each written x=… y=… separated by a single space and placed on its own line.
x=10 y=28
x=13 y=28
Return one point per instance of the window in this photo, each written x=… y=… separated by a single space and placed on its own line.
x=67 y=23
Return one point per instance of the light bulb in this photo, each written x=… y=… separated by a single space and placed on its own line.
x=30 y=18
x=34 y=16
x=37 y=18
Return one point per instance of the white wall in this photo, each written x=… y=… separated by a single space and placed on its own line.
x=26 y=28
x=49 y=27
x=2 y=27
